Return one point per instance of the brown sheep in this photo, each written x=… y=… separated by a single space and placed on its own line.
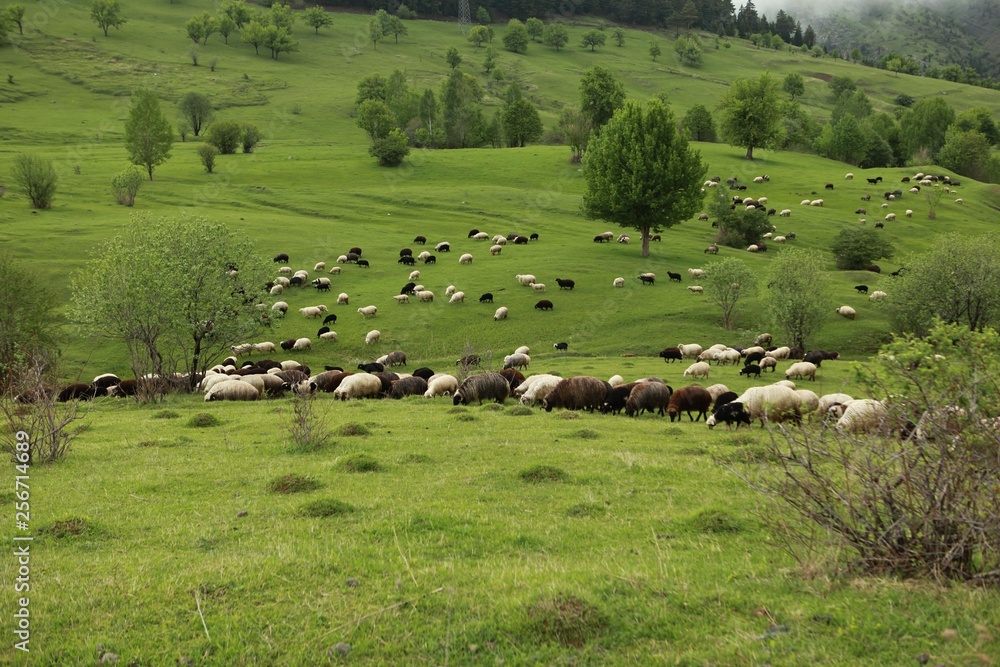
x=647 y=397
x=582 y=392
x=693 y=398
x=408 y=387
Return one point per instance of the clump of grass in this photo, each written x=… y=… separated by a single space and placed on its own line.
x=585 y=510
x=360 y=463
x=569 y=415
x=415 y=458
x=7 y=498
x=520 y=411
x=203 y=420
x=467 y=418
x=326 y=507
x=585 y=434
x=741 y=439
x=541 y=474
x=69 y=527
x=719 y=522
x=754 y=453
x=674 y=430
x=492 y=407
x=457 y=410
x=567 y=620
x=692 y=451
x=149 y=443
x=165 y=414
x=353 y=429
x=293 y=484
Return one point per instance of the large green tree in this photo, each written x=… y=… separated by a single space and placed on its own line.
x=515 y=37
x=200 y=27
x=317 y=17
x=698 y=124
x=148 y=134
x=462 y=99
x=856 y=248
x=924 y=127
x=979 y=119
x=197 y=110
x=107 y=14
x=794 y=85
x=519 y=119
x=237 y=10
x=797 y=298
x=968 y=153
x=601 y=94
x=593 y=39
x=556 y=35
x=641 y=173
x=749 y=114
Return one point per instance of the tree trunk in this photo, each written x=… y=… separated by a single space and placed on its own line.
x=645 y=241
x=749 y=152
x=149 y=168
x=194 y=363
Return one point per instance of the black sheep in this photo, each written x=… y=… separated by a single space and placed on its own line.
x=521 y=240
x=406 y=260
x=674 y=277
x=486 y=298
x=647 y=280
x=408 y=288
x=561 y=346
x=424 y=372
x=353 y=257
x=472 y=232
x=533 y=237
x=421 y=240
x=565 y=284
x=729 y=414
x=405 y=252
x=750 y=369
x=544 y=304
x=373 y=367
x=430 y=259
x=287 y=344
x=322 y=330
x=332 y=317
x=862 y=289
x=670 y=355
x=281 y=257
x=615 y=401
x=753 y=358
x=363 y=263
x=723 y=398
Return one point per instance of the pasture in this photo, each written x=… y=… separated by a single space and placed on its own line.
x=431 y=535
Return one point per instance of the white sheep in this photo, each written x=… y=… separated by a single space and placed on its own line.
x=773 y=402
x=329 y=335
x=525 y=278
x=801 y=369
x=256 y=381
x=368 y=311
x=616 y=380
x=959 y=201
x=320 y=266
x=414 y=275
x=302 y=344
x=441 y=385
x=619 y=282
x=762 y=201
x=401 y=298
x=465 y=259
x=449 y=290
x=212 y=379
x=425 y=295
x=890 y=217
x=501 y=314
x=417 y=289
x=816 y=202
x=752 y=248
x=285 y=270
x=698 y=370
x=516 y=361
x=909 y=213
x=758 y=179
x=729 y=356
x=342 y=259
x=809 y=400
x=703 y=216
x=310 y=312
x=696 y=273
x=359 y=385
x=768 y=362
x=373 y=337
x=624 y=238
x=496 y=249
x=785 y=383
x=862 y=415
x=276 y=290
x=423 y=255
x=500 y=240
x=696 y=289
x=539 y=387
x=768 y=235
x=343 y=299
x=335 y=270
x=847 y=311
x=232 y=390
x=242 y=348
x=877 y=295
x=785 y=212
x=779 y=352
x=457 y=297
x=779 y=239
x=524 y=349
x=266 y=347
x=848 y=176
x=691 y=350
x=280 y=305
x=283 y=281
x=481 y=236
x=827 y=401
x=716 y=390
x=538 y=287
x=302 y=273
x=805 y=202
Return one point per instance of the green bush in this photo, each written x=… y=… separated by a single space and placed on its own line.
x=207 y=154
x=390 y=149
x=856 y=248
x=225 y=135
x=125 y=185
x=250 y=137
x=37 y=179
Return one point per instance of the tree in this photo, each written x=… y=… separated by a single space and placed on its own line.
x=698 y=124
x=841 y=84
x=209 y=280
x=857 y=248
x=979 y=119
x=600 y=94
x=279 y=40
x=317 y=17
x=107 y=14
x=28 y=322
x=225 y=135
x=848 y=142
x=197 y=110
x=967 y=153
x=956 y=281
x=390 y=149
x=453 y=57
x=640 y=172
x=200 y=28
x=428 y=112
x=372 y=87
x=576 y=128
x=809 y=37
x=727 y=282
x=281 y=17
x=856 y=104
x=16 y=15
x=226 y=26
x=686 y=15
x=478 y=36
x=250 y=136
x=738 y=227
x=655 y=50
x=396 y=28
x=619 y=37
x=148 y=135
x=462 y=99
x=535 y=28
x=798 y=295
x=593 y=39
x=375 y=32
x=794 y=85
x=125 y=185
x=237 y=10
x=924 y=128
x=490 y=61
x=519 y=119
x=748 y=115
x=688 y=50
x=207 y=154
x=375 y=118
x=515 y=37
x=556 y=35
x=483 y=16
x=254 y=34
x=36 y=178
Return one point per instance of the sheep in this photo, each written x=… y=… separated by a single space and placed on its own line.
x=890 y=217
x=276 y=290
x=322 y=284
x=616 y=380
x=302 y=344
x=516 y=361
x=785 y=212
x=457 y=297
x=444 y=246
x=368 y=311
x=266 y=347
x=693 y=398
x=625 y=239
x=728 y=356
x=805 y=202
x=496 y=249
x=827 y=401
x=909 y=213
x=425 y=295
x=482 y=387
x=773 y=402
x=514 y=377
x=358 y=385
x=647 y=278
x=538 y=287
x=877 y=295
x=959 y=201
x=691 y=350
x=329 y=335
x=500 y=314
x=544 y=304
x=232 y=390
x=465 y=259
x=310 y=311
x=394 y=358
x=430 y=259
x=768 y=362
x=242 y=348
x=779 y=353
x=535 y=388
x=373 y=337
x=441 y=385
x=699 y=369
x=808 y=400
x=618 y=282
x=525 y=279
x=847 y=311
x=414 y=275
x=343 y=299
x=285 y=270
x=758 y=179
x=816 y=202
x=801 y=369
x=729 y=413
x=696 y=273
x=703 y=216
x=717 y=390
x=779 y=239
x=753 y=247
x=817 y=357
x=499 y=239
x=582 y=392
x=696 y=289
x=648 y=397
x=524 y=349
x=862 y=415
x=335 y=270
x=409 y=386
x=750 y=369
x=848 y=176
x=401 y=298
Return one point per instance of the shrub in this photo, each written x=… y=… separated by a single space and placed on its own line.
x=308 y=431
x=207 y=154
x=738 y=228
x=36 y=178
x=126 y=185
x=390 y=149
x=225 y=135
x=250 y=137
x=904 y=100
x=856 y=248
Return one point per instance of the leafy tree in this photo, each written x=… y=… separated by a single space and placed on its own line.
x=535 y=28
x=619 y=37
x=396 y=28
x=794 y=85
x=688 y=50
x=956 y=281
x=738 y=227
x=375 y=118
x=237 y=10
x=556 y=35
x=478 y=35
x=183 y=129
x=225 y=135
x=519 y=119
x=798 y=295
x=842 y=84
x=254 y=34
x=856 y=104
x=462 y=99
x=428 y=111
x=197 y=110
x=593 y=39
x=490 y=61
x=209 y=280
x=515 y=37
x=655 y=50
x=727 y=282
x=800 y=130
x=279 y=40
x=600 y=95
x=979 y=119
x=107 y=14
x=250 y=136
x=317 y=17
x=281 y=16
x=856 y=248
x=878 y=152
x=28 y=322
x=848 y=142
x=125 y=185
x=748 y=115
x=809 y=37
x=390 y=149
x=453 y=57
x=904 y=100
x=375 y=32
x=207 y=154
x=15 y=13
x=483 y=16
x=226 y=26
x=925 y=126
x=698 y=124
x=148 y=135
x=403 y=103
x=406 y=13
x=201 y=27
x=36 y=178
x=372 y=87
x=640 y=172
x=967 y=153
x=576 y=128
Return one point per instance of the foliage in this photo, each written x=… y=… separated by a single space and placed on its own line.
x=904 y=100
x=375 y=118
x=36 y=178
x=236 y=10
x=576 y=128
x=372 y=87
x=396 y=28
x=478 y=36
x=798 y=295
x=640 y=172
x=738 y=227
x=453 y=57
x=857 y=248
x=375 y=32
x=483 y=16
x=593 y=39
x=255 y=34
x=199 y=28
x=490 y=61
x=845 y=141
x=967 y=153
x=519 y=119
x=727 y=282
x=840 y=85
x=197 y=110
x=601 y=94
x=794 y=85
x=688 y=50
x=698 y=124
x=125 y=185
x=924 y=127
x=957 y=281
x=979 y=119
x=655 y=50
x=226 y=26
x=15 y=14
x=462 y=99
x=556 y=35
x=207 y=154
x=148 y=135
x=391 y=148
x=799 y=129
x=43 y=417
x=280 y=16
x=317 y=17
x=278 y=40
x=107 y=14
x=535 y=28
x=250 y=136
x=749 y=115
x=515 y=37
x=225 y=135
x=406 y=13
x=28 y=325
x=619 y=37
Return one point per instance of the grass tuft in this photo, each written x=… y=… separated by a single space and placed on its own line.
x=69 y=527
x=568 y=414
x=326 y=507
x=567 y=620
x=353 y=429
x=415 y=458
x=165 y=414
x=718 y=522
x=457 y=410
x=586 y=510
x=360 y=463
x=467 y=418
x=520 y=411
x=492 y=407
x=585 y=434
x=203 y=420
x=293 y=484
x=541 y=474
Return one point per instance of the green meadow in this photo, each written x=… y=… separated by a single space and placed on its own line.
x=424 y=533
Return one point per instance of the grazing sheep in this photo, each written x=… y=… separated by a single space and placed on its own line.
x=801 y=369
x=425 y=295
x=773 y=402
x=753 y=248
x=890 y=217
x=487 y=297
x=481 y=236
x=562 y=346
x=861 y=289
x=785 y=212
x=516 y=361
x=525 y=279
x=444 y=246
x=430 y=259
x=717 y=390
x=566 y=283
x=373 y=337
x=909 y=213
x=693 y=398
x=334 y=270
x=848 y=176
x=482 y=387
x=847 y=311
x=394 y=358
x=779 y=353
x=343 y=299
x=696 y=273
x=500 y=239
x=670 y=354
x=959 y=201
x=618 y=282
x=232 y=390
x=624 y=238
x=750 y=369
x=817 y=357
x=421 y=240
x=368 y=311
x=409 y=386
x=616 y=380
x=465 y=259
x=865 y=414
x=691 y=350
x=457 y=297
x=401 y=298
x=827 y=401
x=768 y=362
x=805 y=202
x=441 y=385
x=276 y=290
x=501 y=314
x=647 y=279
x=358 y=386
x=267 y=347
x=727 y=356
x=816 y=202
x=535 y=388
x=496 y=249
x=538 y=287
x=310 y=311
x=809 y=401
x=544 y=304
x=329 y=335
x=414 y=275
x=302 y=344
x=514 y=377
x=243 y=348
x=285 y=270
x=582 y=392
x=648 y=397
x=729 y=413
x=877 y=295
x=449 y=290
x=699 y=369
x=524 y=349
x=696 y=289
x=779 y=239
x=703 y=216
